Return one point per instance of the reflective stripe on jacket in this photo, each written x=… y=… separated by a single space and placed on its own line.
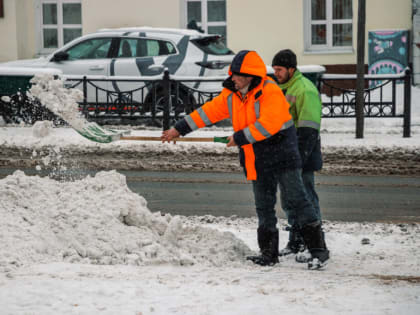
x=263 y=127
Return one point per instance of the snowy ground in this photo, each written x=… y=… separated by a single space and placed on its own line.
x=92 y=246
x=378 y=153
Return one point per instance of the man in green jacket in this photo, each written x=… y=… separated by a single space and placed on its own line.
x=306 y=110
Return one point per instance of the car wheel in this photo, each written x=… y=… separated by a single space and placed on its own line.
x=181 y=103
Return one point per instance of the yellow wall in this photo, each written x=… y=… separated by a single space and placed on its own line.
x=270 y=25
x=20 y=26
x=8 y=44
x=265 y=26
x=129 y=13
x=26 y=35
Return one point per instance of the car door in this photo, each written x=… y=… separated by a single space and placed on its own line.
x=139 y=57
x=90 y=57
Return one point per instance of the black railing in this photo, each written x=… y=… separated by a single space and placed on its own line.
x=129 y=100
x=381 y=96
x=161 y=100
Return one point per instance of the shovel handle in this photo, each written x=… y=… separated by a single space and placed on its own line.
x=183 y=139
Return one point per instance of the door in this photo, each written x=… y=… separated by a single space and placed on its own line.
x=140 y=57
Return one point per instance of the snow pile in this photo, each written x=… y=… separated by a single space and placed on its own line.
x=42 y=129
x=60 y=100
x=98 y=220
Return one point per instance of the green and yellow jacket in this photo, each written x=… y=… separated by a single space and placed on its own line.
x=306 y=110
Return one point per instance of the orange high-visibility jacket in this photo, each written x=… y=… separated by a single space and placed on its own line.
x=263 y=126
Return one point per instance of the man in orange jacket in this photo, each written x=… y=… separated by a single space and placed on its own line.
x=266 y=136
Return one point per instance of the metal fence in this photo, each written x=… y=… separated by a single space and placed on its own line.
x=154 y=100
x=384 y=95
x=161 y=100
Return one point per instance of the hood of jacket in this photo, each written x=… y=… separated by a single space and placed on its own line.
x=246 y=62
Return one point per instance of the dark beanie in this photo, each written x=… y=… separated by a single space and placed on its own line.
x=285 y=58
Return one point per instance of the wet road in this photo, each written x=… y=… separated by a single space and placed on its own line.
x=342 y=198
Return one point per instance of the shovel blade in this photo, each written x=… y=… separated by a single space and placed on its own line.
x=94 y=132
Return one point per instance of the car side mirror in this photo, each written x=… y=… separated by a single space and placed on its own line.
x=60 y=56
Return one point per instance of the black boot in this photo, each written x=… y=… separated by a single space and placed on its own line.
x=295 y=243
x=268 y=241
x=314 y=239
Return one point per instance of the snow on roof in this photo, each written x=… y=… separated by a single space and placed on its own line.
x=303 y=68
x=311 y=68
x=402 y=74
x=179 y=31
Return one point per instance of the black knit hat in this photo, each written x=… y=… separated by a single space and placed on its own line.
x=285 y=58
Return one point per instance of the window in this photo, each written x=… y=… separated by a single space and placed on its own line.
x=328 y=25
x=212 y=45
x=96 y=48
x=207 y=15
x=133 y=47
x=60 y=22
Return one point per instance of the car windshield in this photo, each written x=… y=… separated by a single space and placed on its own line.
x=213 y=45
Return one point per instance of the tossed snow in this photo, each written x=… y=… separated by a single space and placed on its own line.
x=93 y=246
x=60 y=100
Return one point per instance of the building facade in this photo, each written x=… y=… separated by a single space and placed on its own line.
x=319 y=31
